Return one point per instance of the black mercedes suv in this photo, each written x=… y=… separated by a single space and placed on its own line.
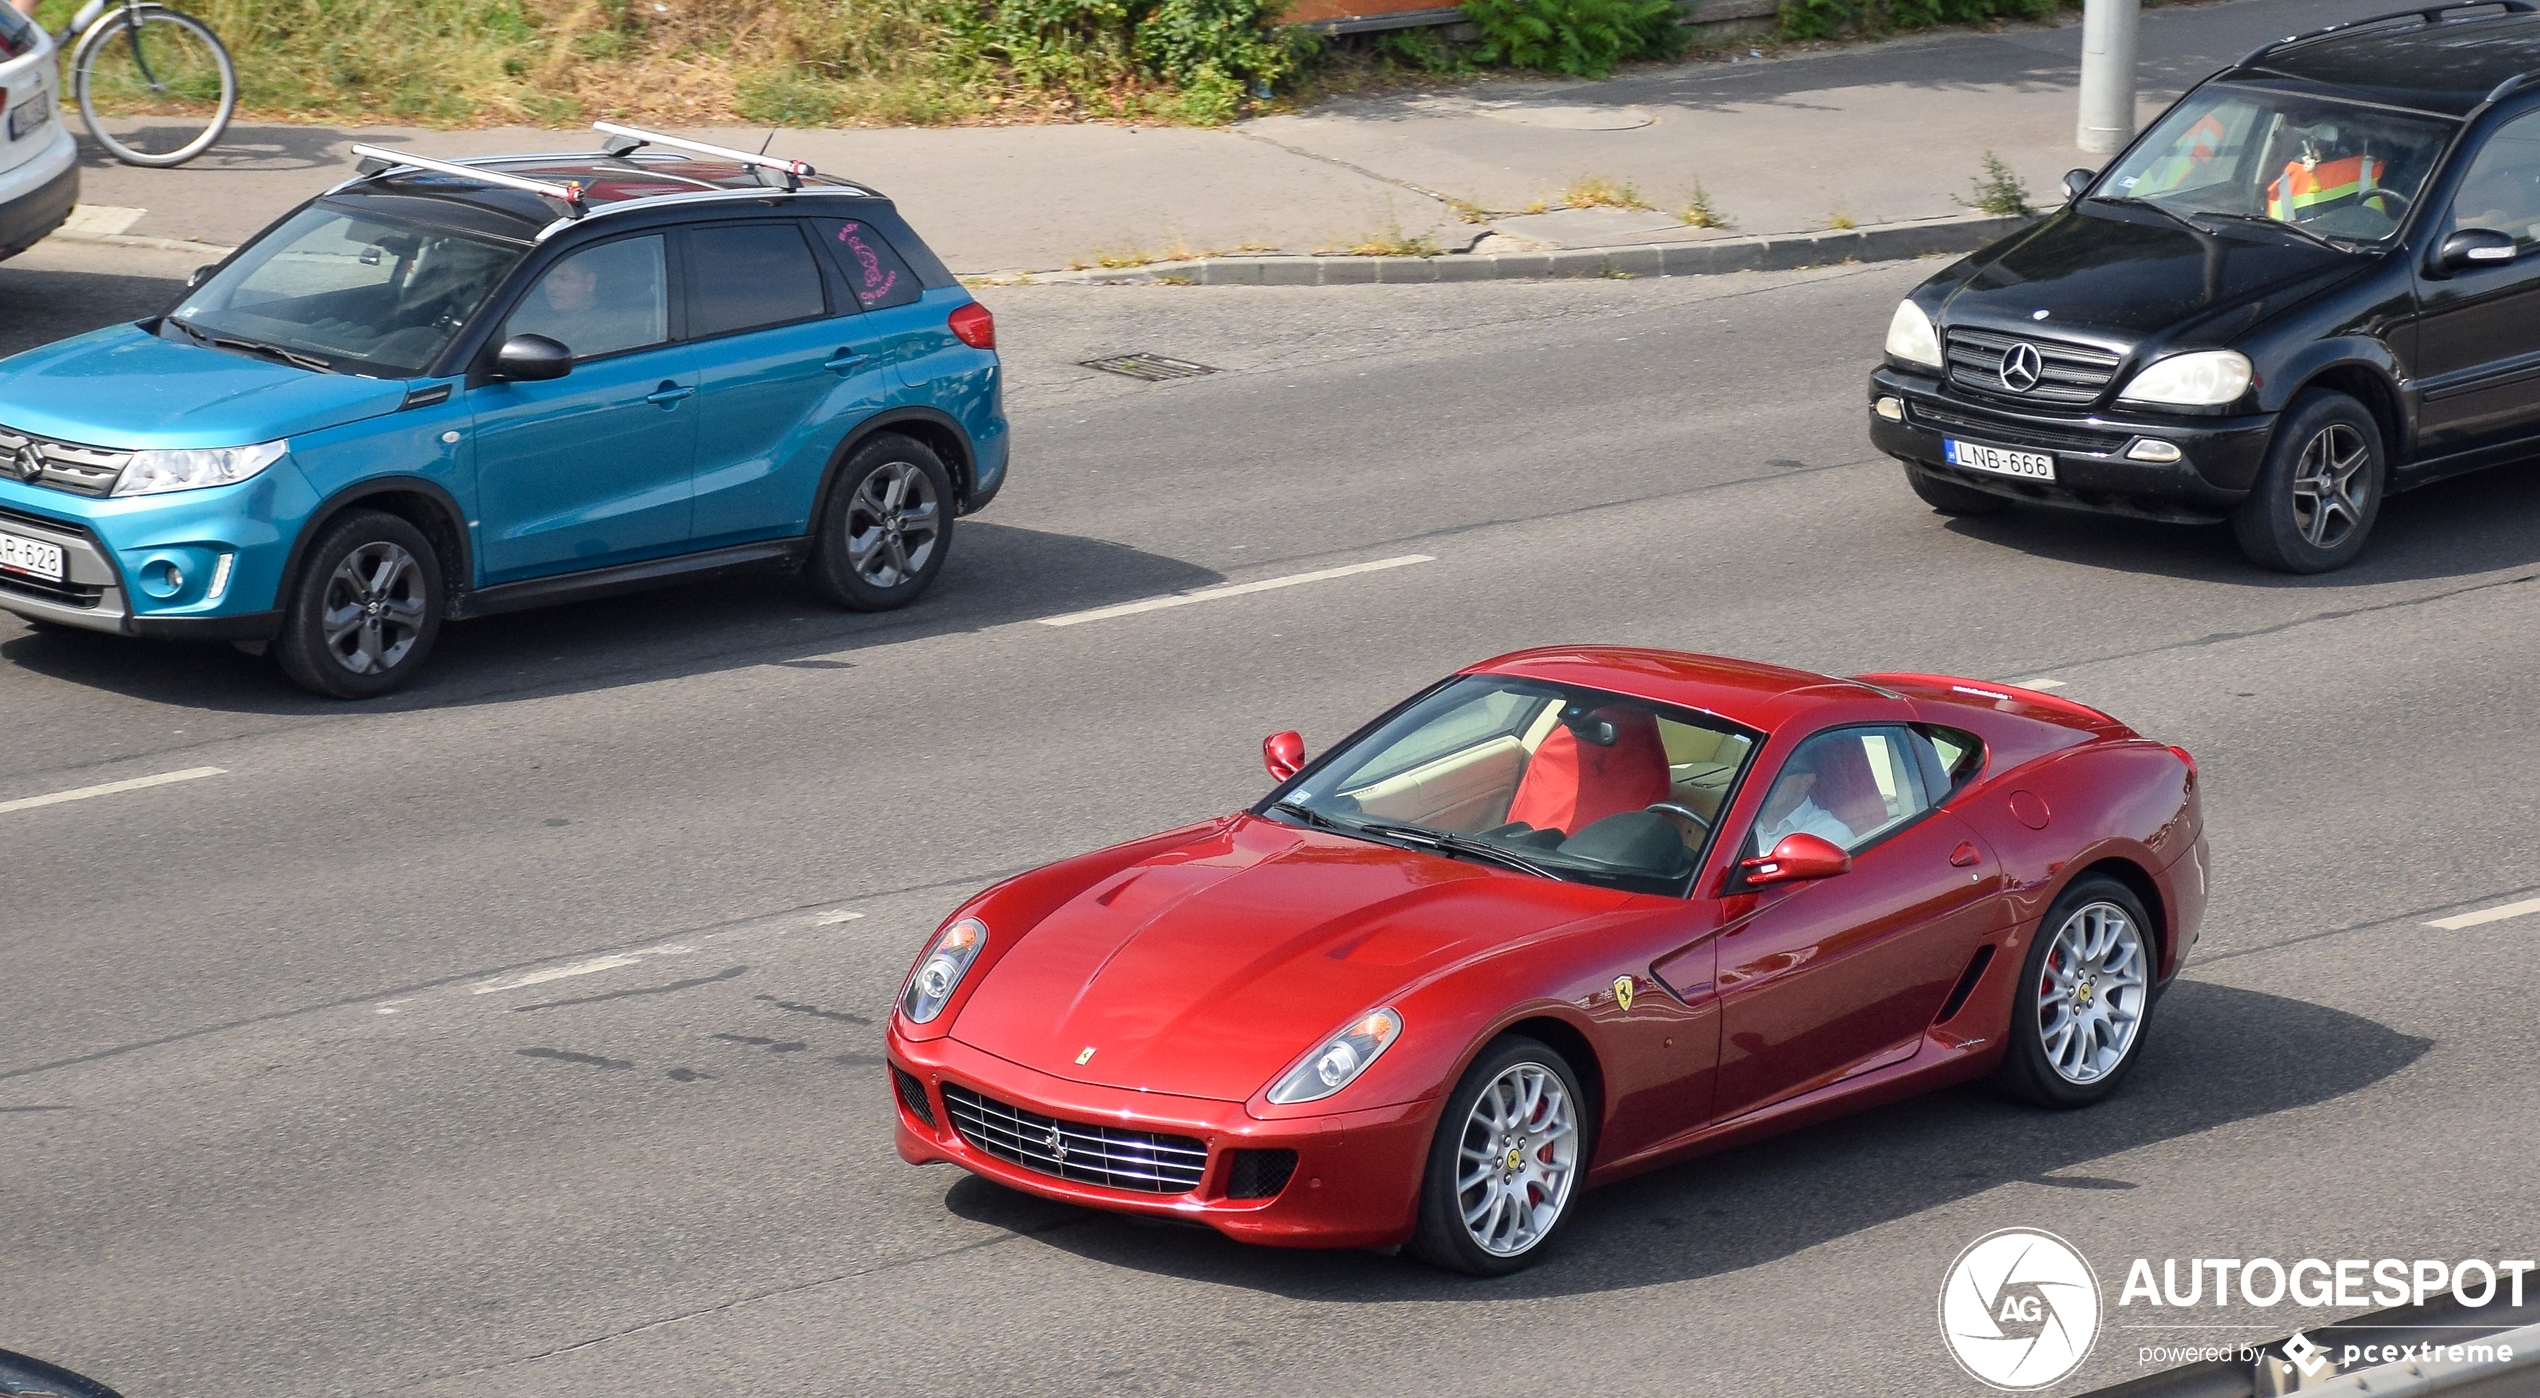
x=2312 y=282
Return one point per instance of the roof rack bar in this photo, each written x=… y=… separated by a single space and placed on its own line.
x=794 y=171
x=569 y=195
x=2430 y=14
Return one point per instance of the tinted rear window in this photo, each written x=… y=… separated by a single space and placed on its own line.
x=17 y=32
x=879 y=276
x=742 y=276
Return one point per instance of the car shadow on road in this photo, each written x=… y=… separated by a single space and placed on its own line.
x=998 y=575
x=2473 y=524
x=2218 y=1056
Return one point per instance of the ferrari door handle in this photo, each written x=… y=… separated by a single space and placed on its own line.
x=668 y=394
x=1964 y=856
x=845 y=360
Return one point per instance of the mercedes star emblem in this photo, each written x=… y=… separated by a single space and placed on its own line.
x=2021 y=367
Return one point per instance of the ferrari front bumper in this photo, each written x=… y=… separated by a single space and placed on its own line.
x=1355 y=1182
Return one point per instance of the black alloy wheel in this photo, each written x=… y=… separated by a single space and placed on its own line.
x=1949 y=497
x=363 y=613
x=887 y=528
x=1505 y=1166
x=2084 y=998
x=2320 y=490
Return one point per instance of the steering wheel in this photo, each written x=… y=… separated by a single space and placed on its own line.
x=1674 y=809
x=2386 y=194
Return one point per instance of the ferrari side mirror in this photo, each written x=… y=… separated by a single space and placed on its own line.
x=1283 y=754
x=2075 y=181
x=1797 y=857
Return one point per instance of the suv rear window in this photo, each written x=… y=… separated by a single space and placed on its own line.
x=17 y=32
x=743 y=276
x=879 y=276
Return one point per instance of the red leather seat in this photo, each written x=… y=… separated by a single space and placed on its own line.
x=1571 y=783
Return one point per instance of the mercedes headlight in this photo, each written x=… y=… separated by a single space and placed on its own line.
x=1911 y=338
x=150 y=472
x=2200 y=380
x=940 y=973
x=1331 y=1067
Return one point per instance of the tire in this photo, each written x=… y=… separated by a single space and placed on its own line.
x=365 y=610
x=1951 y=498
x=1511 y=1072
x=2109 y=993
x=162 y=63
x=2319 y=490
x=887 y=527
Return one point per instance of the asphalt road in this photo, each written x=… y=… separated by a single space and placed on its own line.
x=274 y=1121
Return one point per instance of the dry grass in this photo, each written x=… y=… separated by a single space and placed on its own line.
x=1841 y=221
x=1601 y=192
x=1700 y=212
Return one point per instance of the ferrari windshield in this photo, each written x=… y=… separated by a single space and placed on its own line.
x=1556 y=781
x=353 y=292
x=2337 y=170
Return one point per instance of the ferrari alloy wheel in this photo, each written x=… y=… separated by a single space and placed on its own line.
x=1506 y=1161
x=2077 y=1023
x=365 y=610
x=887 y=528
x=2319 y=491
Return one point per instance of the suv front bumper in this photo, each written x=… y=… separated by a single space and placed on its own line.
x=119 y=555
x=2218 y=460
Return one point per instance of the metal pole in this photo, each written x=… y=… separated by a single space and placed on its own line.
x=2107 y=75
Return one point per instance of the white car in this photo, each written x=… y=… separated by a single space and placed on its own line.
x=39 y=161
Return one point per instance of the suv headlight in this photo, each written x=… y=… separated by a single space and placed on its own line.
x=2199 y=380
x=1343 y=1057
x=939 y=973
x=150 y=472
x=1911 y=338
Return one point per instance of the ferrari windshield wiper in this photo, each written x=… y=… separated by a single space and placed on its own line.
x=1309 y=815
x=1458 y=844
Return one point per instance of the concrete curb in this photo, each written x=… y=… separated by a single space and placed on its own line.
x=1775 y=252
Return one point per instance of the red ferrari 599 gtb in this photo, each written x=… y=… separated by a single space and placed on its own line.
x=1565 y=916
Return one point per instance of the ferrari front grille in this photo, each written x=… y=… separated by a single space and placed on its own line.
x=1260 y=1174
x=1144 y=1161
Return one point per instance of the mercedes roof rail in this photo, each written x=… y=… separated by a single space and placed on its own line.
x=626 y=140
x=2430 y=15
x=375 y=161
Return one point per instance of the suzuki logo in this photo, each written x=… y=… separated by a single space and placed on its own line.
x=29 y=463
x=2021 y=367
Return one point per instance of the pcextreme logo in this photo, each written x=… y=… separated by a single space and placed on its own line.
x=2019 y=1309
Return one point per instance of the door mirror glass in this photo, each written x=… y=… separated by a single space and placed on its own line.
x=2475 y=247
x=1283 y=754
x=1797 y=857
x=2075 y=181
x=529 y=358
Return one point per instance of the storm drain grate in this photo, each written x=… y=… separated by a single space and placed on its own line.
x=1153 y=368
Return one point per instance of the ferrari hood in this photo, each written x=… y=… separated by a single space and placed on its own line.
x=1207 y=969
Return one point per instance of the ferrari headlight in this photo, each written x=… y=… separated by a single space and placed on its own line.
x=150 y=472
x=2199 y=380
x=1910 y=336
x=940 y=973
x=1331 y=1067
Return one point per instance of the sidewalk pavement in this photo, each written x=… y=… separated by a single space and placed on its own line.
x=1876 y=134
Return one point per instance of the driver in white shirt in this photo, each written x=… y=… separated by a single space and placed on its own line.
x=1789 y=808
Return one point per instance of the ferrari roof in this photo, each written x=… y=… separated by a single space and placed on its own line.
x=1749 y=692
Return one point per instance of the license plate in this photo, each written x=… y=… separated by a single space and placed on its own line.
x=2001 y=461
x=30 y=556
x=30 y=114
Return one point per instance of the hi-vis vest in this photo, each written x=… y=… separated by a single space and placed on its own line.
x=2304 y=187
x=2198 y=145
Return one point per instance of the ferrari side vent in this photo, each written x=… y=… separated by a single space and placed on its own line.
x=1966 y=985
x=1260 y=1174
x=913 y=1096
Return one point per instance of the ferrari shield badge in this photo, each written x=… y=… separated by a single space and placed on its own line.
x=1623 y=992
x=1086 y=1057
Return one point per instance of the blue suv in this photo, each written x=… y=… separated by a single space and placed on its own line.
x=442 y=390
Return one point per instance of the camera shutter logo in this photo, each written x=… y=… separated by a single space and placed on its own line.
x=2019 y=1309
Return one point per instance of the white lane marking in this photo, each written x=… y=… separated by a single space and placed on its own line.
x=833 y=919
x=1211 y=594
x=592 y=966
x=2499 y=913
x=2041 y=682
x=28 y=803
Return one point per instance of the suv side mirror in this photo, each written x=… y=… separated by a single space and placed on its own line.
x=2075 y=181
x=1283 y=754
x=200 y=275
x=528 y=358
x=2475 y=247
x=1797 y=857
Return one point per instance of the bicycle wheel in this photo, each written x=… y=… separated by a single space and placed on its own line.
x=161 y=77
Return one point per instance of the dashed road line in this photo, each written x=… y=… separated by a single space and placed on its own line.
x=28 y=803
x=1211 y=594
x=2041 y=682
x=2499 y=913
x=579 y=968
